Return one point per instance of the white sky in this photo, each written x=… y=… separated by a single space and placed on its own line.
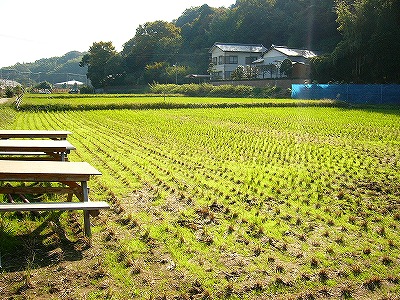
x=35 y=29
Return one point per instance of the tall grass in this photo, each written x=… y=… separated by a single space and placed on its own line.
x=7 y=116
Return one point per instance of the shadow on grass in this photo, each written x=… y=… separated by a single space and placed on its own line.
x=45 y=245
x=387 y=109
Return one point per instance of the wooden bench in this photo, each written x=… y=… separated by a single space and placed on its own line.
x=52 y=149
x=33 y=134
x=73 y=175
x=31 y=156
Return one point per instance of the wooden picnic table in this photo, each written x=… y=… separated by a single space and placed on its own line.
x=73 y=176
x=56 y=149
x=32 y=134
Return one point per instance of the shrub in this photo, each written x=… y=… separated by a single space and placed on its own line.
x=86 y=90
x=225 y=90
x=43 y=85
x=18 y=90
x=9 y=92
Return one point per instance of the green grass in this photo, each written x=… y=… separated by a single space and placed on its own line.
x=239 y=202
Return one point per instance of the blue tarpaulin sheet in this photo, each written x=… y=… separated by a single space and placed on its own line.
x=351 y=93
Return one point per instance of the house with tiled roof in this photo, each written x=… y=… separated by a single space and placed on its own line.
x=270 y=62
x=226 y=57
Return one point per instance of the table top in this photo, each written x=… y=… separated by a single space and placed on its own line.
x=16 y=170
x=56 y=134
x=36 y=145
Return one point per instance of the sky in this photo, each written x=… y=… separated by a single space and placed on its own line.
x=31 y=30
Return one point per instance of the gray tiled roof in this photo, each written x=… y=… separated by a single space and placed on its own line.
x=231 y=47
x=294 y=52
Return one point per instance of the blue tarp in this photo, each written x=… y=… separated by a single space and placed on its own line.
x=351 y=93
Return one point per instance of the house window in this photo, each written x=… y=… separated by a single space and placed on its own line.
x=250 y=59
x=231 y=59
x=214 y=61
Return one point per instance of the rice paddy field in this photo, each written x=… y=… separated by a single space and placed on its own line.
x=215 y=199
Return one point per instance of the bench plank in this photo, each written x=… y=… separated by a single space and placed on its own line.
x=48 y=206
x=52 y=134
x=23 y=153
x=31 y=156
x=38 y=190
x=50 y=171
x=36 y=146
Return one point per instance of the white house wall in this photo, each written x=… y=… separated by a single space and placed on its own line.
x=273 y=57
x=228 y=68
x=217 y=53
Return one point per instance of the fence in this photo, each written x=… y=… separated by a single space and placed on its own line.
x=18 y=100
x=351 y=93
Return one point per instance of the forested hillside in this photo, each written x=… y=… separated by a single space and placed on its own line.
x=53 y=70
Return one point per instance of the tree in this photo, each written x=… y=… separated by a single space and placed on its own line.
x=156 y=72
x=307 y=24
x=370 y=42
x=239 y=73
x=18 y=90
x=157 y=41
x=253 y=21
x=286 y=67
x=99 y=61
x=176 y=72
x=195 y=24
x=44 y=85
x=222 y=27
x=114 y=70
x=321 y=68
x=245 y=72
x=251 y=72
x=9 y=92
x=212 y=70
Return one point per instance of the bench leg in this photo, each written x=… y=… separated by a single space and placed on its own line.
x=86 y=220
x=69 y=198
x=86 y=214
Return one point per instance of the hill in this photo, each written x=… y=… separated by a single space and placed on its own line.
x=53 y=70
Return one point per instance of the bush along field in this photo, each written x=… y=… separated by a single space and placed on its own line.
x=219 y=203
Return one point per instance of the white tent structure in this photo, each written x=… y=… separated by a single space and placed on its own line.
x=68 y=84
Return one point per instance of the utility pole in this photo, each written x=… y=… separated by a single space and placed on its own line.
x=176 y=72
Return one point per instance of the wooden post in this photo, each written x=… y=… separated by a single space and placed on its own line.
x=86 y=214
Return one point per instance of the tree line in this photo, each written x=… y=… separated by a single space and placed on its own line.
x=54 y=69
x=358 y=40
